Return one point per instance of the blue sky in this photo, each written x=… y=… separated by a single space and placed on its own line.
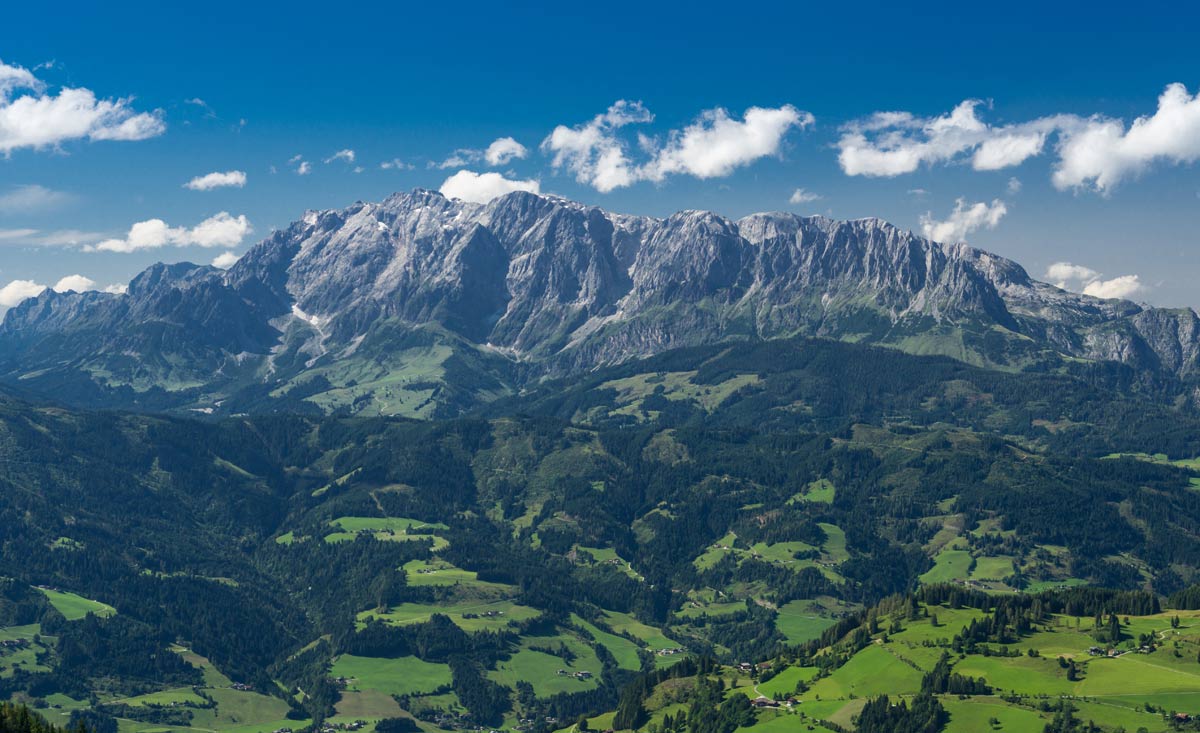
x=1047 y=168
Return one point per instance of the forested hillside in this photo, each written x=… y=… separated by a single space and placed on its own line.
x=526 y=566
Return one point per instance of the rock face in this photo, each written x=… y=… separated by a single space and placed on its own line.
x=422 y=305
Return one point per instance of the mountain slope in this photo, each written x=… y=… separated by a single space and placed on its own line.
x=424 y=306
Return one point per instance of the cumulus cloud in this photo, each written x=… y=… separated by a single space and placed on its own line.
x=965 y=218
x=225 y=260
x=713 y=146
x=1094 y=152
x=117 y=289
x=890 y=144
x=593 y=152
x=303 y=167
x=221 y=230
x=78 y=283
x=1081 y=279
x=481 y=188
x=30 y=198
x=1102 y=152
x=803 y=196
x=1014 y=185
x=209 y=181
x=1123 y=286
x=716 y=144
x=503 y=150
x=347 y=155
x=18 y=290
x=33 y=117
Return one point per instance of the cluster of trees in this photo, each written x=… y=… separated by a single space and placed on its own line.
x=881 y=715
x=941 y=680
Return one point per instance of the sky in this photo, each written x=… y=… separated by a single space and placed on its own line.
x=1066 y=137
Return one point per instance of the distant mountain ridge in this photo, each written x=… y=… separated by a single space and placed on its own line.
x=424 y=306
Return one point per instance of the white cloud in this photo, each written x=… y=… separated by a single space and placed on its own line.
x=395 y=164
x=894 y=143
x=1014 y=185
x=225 y=260
x=221 y=230
x=346 y=155
x=1118 y=287
x=31 y=117
x=209 y=181
x=78 y=283
x=713 y=146
x=18 y=290
x=116 y=289
x=1085 y=280
x=802 y=196
x=19 y=234
x=30 y=198
x=965 y=218
x=303 y=167
x=483 y=187
x=1102 y=152
x=716 y=144
x=593 y=152
x=1093 y=152
x=1062 y=273
x=503 y=150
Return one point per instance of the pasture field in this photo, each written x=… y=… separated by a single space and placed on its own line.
x=820 y=491
x=75 y=607
x=622 y=649
x=873 y=671
x=368 y=705
x=399 y=676
x=394 y=529
x=799 y=622
x=950 y=564
x=785 y=682
x=542 y=670
x=469 y=615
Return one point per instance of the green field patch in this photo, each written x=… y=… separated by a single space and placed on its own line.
x=469 y=615
x=975 y=714
x=821 y=491
x=677 y=386
x=399 y=676
x=609 y=556
x=1132 y=672
x=622 y=649
x=992 y=568
x=22 y=651
x=785 y=682
x=550 y=674
x=369 y=705
x=873 y=671
x=799 y=622
x=243 y=712
x=949 y=565
x=697 y=609
x=74 y=607
x=439 y=573
x=1023 y=675
x=185 y=696
x=835 y=543
x=394 y=529
x=212 y=676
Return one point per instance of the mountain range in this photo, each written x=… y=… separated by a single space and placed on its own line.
x=429 y=307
